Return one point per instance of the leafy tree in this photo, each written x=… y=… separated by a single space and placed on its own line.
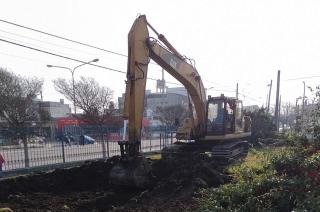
x=16 y=106
x=94 y=100
x=314 y=128
x=261 y=125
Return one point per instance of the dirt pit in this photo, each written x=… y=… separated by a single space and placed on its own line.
x=87 y=187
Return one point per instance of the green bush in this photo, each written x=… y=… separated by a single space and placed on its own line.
x=287 y=179
x=261 y=125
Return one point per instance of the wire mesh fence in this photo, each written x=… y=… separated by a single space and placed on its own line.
x=40 y=151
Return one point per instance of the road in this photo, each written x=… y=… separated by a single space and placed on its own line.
x=52 y=153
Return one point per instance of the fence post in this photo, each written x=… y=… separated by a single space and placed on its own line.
x=103 y=146
x=165 y=136
x=160 y=140
x=108 y=151
x=26 y=151
x=63 y=153
x=150 y=142
x=171 y=137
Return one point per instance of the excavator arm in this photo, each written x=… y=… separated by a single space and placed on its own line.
x=142 y=48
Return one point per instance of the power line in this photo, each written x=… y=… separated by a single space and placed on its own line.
x=58 y=55
x=249 y=97
x=223 y=90
x=63 y=38
x=67 y=39
x=218 y=84
x=45 y=42
x=99 y=66
x=299 y=78
x=26 y=43
x=72 y=59
x=23 y=58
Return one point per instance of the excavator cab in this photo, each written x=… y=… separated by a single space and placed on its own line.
x=224 y=115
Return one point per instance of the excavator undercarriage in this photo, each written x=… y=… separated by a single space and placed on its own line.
x=222 y=152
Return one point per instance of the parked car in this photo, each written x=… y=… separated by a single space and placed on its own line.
x=85 y=139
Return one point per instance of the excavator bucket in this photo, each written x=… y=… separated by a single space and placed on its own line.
x=133 y=172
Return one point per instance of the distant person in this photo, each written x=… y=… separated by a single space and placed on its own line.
x=67 y=139
x=2 y=161
x=81 y=141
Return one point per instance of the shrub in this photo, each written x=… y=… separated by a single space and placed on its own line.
x=283 y=179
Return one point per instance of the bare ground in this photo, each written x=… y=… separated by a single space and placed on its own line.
x=87 y=188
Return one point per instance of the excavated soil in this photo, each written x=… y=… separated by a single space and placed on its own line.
x=87 y=188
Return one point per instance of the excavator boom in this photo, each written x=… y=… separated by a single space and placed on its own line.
x=141 y=49
x=138 y=60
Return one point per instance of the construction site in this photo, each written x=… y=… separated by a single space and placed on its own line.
x=194 y=143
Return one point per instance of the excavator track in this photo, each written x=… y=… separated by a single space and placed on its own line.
x=223 y=153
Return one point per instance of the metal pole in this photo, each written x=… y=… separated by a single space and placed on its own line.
x=269 y=97
x=74 y=92
x=160 y=140
x=26 y=151
x=150 y=141
x=165 y=137
x=63 y=153
x=279 y=111
x=103 y=149
x=276 y=112
x=302 y=109
x=237 y=91
x=108 y=151
x=72 y=73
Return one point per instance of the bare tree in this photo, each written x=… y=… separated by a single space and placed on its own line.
x=313 y=122
x=94 y=100
x=16 y=105
x=172 y=116
x=288 y=116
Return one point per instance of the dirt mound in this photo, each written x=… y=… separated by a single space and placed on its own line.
x=176 y=183
x=83 y=188
x=87 y=187
x=91 y=175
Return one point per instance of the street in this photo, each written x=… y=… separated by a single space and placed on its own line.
x=52 y=153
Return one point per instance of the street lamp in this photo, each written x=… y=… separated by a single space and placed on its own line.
x=72 y=70
x=206 y=90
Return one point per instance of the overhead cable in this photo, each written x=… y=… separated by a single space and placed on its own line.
x=63 y=38
x=70 y=58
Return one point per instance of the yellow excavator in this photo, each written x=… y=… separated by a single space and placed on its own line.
x=216 y=126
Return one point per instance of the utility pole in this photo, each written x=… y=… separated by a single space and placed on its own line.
x=268 y=107
x=279 y=111
x=302 y=108
x=237 y=91
x=276 y=112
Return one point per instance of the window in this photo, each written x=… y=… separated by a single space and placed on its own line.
x=212 y=111
x=216 y=111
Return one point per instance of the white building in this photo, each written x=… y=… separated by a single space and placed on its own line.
x=56 y=109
